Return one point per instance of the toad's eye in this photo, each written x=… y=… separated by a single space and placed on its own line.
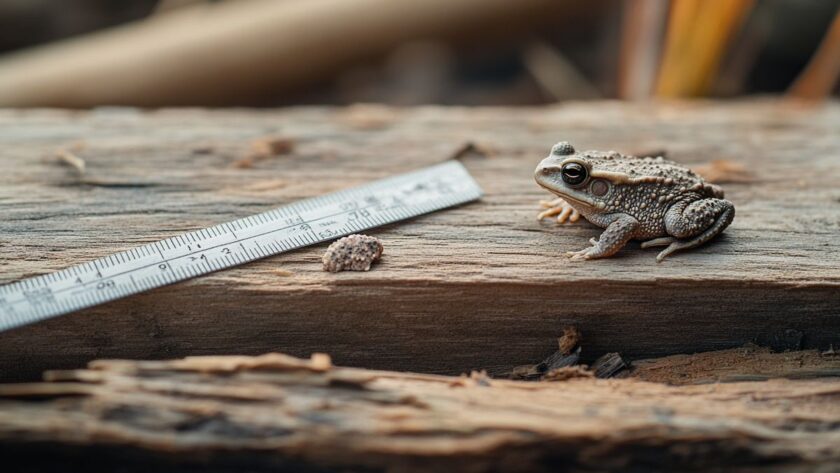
x=573 y=174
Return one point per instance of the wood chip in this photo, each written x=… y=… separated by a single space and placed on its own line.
x=471 y=149
x=608 y=365
x=722 y=171
x=265 y=148
x=559 y=360
x=272 y=146
x=569 y=340
x=567 y=355
x=68 y=157
x=320 y=362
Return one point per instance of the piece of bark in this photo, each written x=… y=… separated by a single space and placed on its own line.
x=279 y=413
x=608 y=365
x=559 y=359
x=480 y=286
x=566 y=356
x=569 y=340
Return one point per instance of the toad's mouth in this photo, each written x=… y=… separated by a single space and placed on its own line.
x=571 y=198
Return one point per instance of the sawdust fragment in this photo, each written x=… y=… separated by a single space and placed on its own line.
x=320 y=362
x=68 y=156
x=272 y=146
x=283 y=273
x=471 y=149
x=566 y=373
x=475 y=378
x=480 y=378
x=265 y=148
x=352 y=253
x=722 y=171
x=368 y=116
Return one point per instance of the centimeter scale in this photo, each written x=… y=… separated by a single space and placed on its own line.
x=199 y=252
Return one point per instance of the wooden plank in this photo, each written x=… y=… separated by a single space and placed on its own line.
x=481 y=286
x=278 y=413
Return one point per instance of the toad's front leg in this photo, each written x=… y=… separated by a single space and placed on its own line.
x=617 y=234
x=559 y=207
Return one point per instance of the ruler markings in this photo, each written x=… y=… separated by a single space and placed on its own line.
x=220 y=246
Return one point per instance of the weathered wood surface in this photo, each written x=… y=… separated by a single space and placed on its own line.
x=278 y=413
x=483 y=286
x=747 y=363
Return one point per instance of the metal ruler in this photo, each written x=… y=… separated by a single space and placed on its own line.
x=199 y=252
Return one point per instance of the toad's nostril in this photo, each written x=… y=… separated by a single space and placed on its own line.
x=546 y=170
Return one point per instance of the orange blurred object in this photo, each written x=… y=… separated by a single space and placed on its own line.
x=823 y=71
x=699 y=32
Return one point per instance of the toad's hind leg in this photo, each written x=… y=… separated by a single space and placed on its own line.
x=696 y=223
x=664 y=241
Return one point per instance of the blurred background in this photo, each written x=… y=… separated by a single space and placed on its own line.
x=154 y=53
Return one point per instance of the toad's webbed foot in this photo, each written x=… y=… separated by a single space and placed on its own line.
x=695 y=223
x=559 y=207
x=617 y=234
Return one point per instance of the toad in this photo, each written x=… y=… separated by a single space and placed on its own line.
x=650 y=199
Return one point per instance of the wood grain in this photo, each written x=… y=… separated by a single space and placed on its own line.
x=482 y=286
x=278 y=413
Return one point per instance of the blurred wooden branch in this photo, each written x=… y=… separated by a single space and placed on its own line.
x=556 y=75
x=641 y=46
x=279 y=413
x=168 y=6
x=699 y=32
x=821 y=75
x=235 y=52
